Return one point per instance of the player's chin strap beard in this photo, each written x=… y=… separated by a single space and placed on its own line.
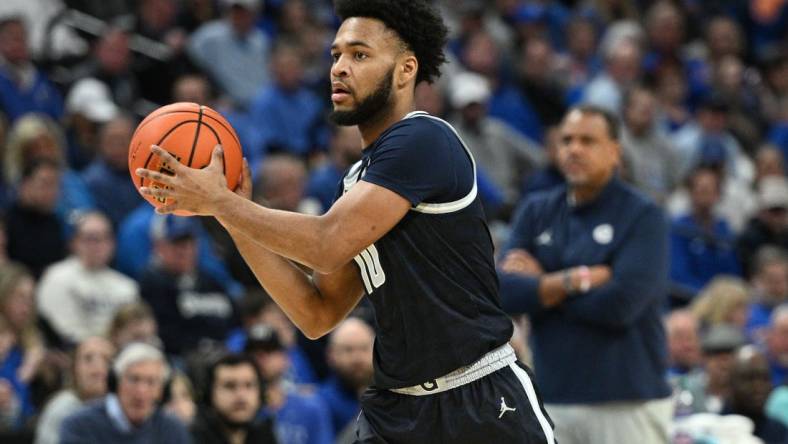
x=372 y=109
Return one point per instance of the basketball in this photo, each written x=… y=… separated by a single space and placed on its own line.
x=189 y=132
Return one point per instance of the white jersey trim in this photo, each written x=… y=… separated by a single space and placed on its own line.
x=457 y=205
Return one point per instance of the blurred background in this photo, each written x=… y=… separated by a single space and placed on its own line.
x=701 y=88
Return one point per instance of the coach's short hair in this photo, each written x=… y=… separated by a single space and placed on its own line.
x=611 y=120
x=417 y=24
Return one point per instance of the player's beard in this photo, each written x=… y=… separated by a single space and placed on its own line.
x=371 y=109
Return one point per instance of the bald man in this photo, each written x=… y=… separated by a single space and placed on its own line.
x=682 y=330
x=350 y=357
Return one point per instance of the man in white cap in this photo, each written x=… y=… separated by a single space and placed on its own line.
x=769 y=226
x=89 y=105
x=499 y=150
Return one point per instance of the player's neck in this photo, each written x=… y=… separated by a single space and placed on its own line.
x=372 y=129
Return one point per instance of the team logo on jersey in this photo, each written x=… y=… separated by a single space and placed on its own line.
x=603 y=234
x=546 y=238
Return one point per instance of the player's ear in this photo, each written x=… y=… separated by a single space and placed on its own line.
x=407 y=70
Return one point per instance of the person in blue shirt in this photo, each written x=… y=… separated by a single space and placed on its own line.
x=702 y=244
x=407 y=229
x=350 y=357
x=588 y=263
x=342 y=152
x=287 y=116
x=299 y=417
x=23 y=88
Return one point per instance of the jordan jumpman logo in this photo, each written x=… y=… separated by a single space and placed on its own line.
x=505 y=408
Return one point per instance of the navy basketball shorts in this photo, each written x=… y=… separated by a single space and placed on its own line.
x=501 y=407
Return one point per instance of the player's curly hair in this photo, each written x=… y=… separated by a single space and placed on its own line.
x=417 y=23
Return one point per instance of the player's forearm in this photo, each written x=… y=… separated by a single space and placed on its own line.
x=288 y=285
x=300 y=237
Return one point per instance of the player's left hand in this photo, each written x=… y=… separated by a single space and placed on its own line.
x=188 y=189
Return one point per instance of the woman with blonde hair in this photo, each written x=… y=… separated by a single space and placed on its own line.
x=35 y=137
x=724 y=300
x=21 y=346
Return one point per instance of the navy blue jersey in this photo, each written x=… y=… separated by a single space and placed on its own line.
x=431 y=279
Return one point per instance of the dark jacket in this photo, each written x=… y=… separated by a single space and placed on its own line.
x=207 y=429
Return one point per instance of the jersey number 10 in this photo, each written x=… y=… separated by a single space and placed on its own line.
x=371 y=271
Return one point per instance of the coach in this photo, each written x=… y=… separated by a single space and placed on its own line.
x=588 y=263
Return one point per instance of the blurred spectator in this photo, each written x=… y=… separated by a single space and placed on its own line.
x=188 y=304
x=709 y=389
x=286 y=114
x=702 y=244
x=724 y=300
x=577 y=301
x=350 y=357
x=35 y=234
x=684 y=353
x=299 y=418
x=737 y=88
x=538 y=82
x=162 y=64
x=500 y=151
x=672 y=92
x=88 y=106
x=257 y=308
x=181 y=398
x=550 y=175
x=582 y=61
x=133 y=323
x=23 y=88
x=482 y=56
x=232 y=51
x=769 y=162
x=649 y=158
x=232 y=397
x=751 y=384
x=111 y=64
x=431 y=98
x=708 y=141
x=343 y=152
x=135 y=249
x=21 y=347
x=774 y=68
x=281 y=182
x=769 y=226
x=622 y=70
x=79 y=295
x=770 y=280
x=777 y=345
x=131 y=412
x=35 y=137
x=665 y=27
x=108 y=175
x=87 y=381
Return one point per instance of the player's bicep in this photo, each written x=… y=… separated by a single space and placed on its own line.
x=362 y=216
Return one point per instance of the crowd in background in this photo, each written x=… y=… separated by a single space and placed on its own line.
x=87 y=267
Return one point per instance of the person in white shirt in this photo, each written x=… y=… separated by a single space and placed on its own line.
x=79 y=295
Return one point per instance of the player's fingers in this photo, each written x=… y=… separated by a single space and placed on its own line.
x=217 y=158
x=167 y=209
x=156 y=176
x=167 y=158
x=157 y=192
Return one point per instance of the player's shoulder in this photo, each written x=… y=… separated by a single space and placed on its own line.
x=418 y=127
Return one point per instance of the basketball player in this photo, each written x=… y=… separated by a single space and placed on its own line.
x=407 y=230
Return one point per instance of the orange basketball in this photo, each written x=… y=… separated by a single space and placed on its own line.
x=189 y=132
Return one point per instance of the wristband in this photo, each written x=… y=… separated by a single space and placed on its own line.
x=585 y=278
x=566 y=281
